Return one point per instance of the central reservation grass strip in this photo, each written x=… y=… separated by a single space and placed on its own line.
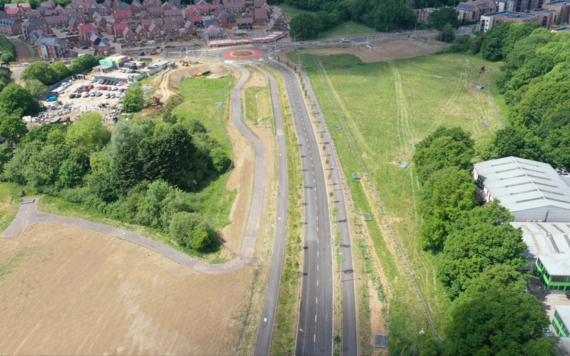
x=286 y=318
x=389 y=107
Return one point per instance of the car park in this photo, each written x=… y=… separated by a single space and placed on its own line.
x=85 y=95
x=93 y=93
x=113 y=96
x=71 y=96
x=99 y=93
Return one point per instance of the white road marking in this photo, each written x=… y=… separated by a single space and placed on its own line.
x=315 y=338
x=315 y=318
x=317 y=270
x=317 y=300
x=317 y=283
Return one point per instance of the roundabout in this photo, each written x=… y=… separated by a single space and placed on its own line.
x=242 y=54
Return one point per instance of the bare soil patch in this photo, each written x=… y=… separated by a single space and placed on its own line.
x=255 y=80
x=383 y=50
x=66 y=290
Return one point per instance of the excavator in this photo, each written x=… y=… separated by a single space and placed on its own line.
x=185 y=63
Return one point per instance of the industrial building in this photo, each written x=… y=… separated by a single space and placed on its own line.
x=532 y=191
x=561 y=320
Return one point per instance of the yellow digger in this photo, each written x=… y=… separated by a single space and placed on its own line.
x=185 y=63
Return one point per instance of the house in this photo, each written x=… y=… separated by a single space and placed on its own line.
x=277 y=21
x=99 y=20
x=85 y=30
x=104 y=10
x=48 y=4
x=530 y=190
x=159 y=23
x=189 y=28
x=52 y=47
x=59 y=20
x=258 y=4
x=424 y=14
x=468 y=11
x=172 y=13
x=151 y=3
x=245 y=23
x=130 y=44
x=234 y=6
x=128 y=35
x=220 y=10
x=489 y=20
x=170 y=37
x=122 y=15
x=31 y=25
x=156 y=12
x=122 y=6
x=198 y=21
x=546 y=17
x=136 y=7
x=154 y=31
x=74 y=24
x=144 y=15
x=4 y=15
x=260 y=16
x=178 y=20
x=563 y=9
x=35 y=15
x=16 y=13
x=104 y=48
x=119 y=28
x=227 y=20
x=10 y=27
x=170 y=29
x=521 y=5
x=25 y=6
x=214 y=32
x=167 y=6
x=487 y=6
x=141 y=33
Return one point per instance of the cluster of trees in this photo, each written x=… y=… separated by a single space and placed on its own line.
x=8 y=50
x=383 y=15
x=535 y=82
x=480 y=254
x=139 y=172
x=134 y=99
x=48 y=75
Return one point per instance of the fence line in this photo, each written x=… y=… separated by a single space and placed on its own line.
x=374 y=191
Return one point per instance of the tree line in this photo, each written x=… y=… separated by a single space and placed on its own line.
x=535 y=81
x=142 y=172
x=480 y=256
x=8 y=50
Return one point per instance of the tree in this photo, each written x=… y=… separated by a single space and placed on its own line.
x=492 y=47
x=499 y=321
x=203 y=237
x=160 y=203
x=40 y=71
x=443 y=152
x=305 y=26
x=127 y=168
x=88 y=133
x=481 y=238
x=60 y=70
x=70 y=175
x=7 y=57
x=16 y=100
x=513 y=141
x=182 y=227
x=447 y=34
x=557 y=147
x=394 y=14
x=43 y=168
x=134 y=99
x=35 y=87
x=13 y=129
x=6 y=155
x=443 y=198
x=125 y=133
x=443 y=16
x=84 y=63
x=456 y=133
x=220 y=159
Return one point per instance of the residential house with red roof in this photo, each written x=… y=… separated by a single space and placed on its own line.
x=178 y=20
x=32 y=25
x=144 y=15
x=136 y=7
x=260 y=15
x=16 y=13
x=172 y=13
x=190 y=28
x=234 y=6
x=85 y=30
x=59 y=20
x=156 y=12
x=35 y=15
x=167 y=6
x=141 y=33
x=198 y=21
x=118 y=28
x=74 y=23
x=154 y=31
x=170 y=29
x=104 y=48
x=245 y=23
x=123 y=15
x=128 y=35
x=48 y=4
x=151 y=3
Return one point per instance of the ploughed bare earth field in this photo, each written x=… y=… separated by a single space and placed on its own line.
x=66 y=290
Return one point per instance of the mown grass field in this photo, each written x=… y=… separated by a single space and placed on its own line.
x=389 y=107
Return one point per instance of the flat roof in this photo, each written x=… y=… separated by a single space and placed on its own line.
x=550 y=11
x=556 y=264
x=545 y=238
x=511 y=14
x=521 y=184
x=102 y=66
x=564 y=312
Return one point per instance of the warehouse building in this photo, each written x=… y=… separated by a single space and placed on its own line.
x=532 y=191
x=561 y=321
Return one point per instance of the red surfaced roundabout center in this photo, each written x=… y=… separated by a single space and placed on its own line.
x=242 y=54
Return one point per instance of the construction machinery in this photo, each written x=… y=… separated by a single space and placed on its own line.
x=202 y=74
x=185 y=63
x=156 y=101
x=152 y=53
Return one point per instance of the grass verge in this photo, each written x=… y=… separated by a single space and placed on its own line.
x=286 y=318
x=388 y=108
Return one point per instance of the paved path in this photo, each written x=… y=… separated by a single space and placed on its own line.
x=29 y=215
x=267 y=322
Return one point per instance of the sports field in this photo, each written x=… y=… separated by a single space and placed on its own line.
x=387 y=108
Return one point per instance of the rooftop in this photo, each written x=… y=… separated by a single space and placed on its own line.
x=521 y=184
x=556 y=264
x=564 y=312
x=549 y=11
x=511 y=14
x=544 y=238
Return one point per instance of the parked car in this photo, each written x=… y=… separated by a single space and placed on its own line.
x=99 y=93
x=85 y=95
x=107 y=96
x=113 y=96
x=93 y=93
x=84 y=47
x=71 y=96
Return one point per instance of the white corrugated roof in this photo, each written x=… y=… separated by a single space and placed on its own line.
x=550 y=242
x=522 y=184
x=564 y=312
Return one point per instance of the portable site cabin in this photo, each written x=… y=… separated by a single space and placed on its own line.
x=531 y=190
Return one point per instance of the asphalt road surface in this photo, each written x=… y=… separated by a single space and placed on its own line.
x=267 y=322
x=315 y=331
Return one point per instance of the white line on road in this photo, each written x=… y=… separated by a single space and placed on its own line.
x=317 y=300
x=315 y=318
x=315 y=338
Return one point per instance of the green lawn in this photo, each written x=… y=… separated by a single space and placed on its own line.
x=389 y=107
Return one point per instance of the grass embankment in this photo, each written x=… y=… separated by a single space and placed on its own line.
x=213 y=200
x=389 y=107
x=258 y=104
x=348 y=28
x=286 y=318
x=10 y=202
